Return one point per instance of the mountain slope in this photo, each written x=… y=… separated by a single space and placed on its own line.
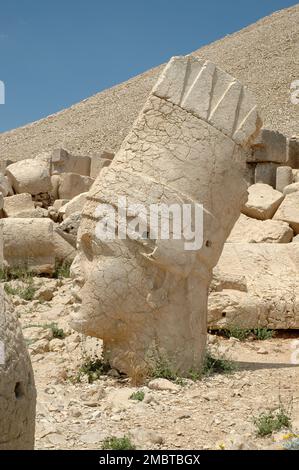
x=264 y=56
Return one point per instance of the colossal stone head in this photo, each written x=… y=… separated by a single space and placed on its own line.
x=146 y=296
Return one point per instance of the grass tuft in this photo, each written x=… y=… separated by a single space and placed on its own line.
x=118 y=443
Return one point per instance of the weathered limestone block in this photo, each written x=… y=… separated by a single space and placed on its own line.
x=17 y=389
x=29 y=176
x=14 y=205
x=248 y=230
x=5 y=186
x=296 y=239
x=266 y=173
x=147 y=297
x=63 y=162
x=72 y=185
x=269 y=296
x=75 y=205
x=100 y=161
x=289 y=211
x=284 y=177
x=263 y=201
x=1 y=204
x=270 y=146
x=291 y=188
x=293 y=152
x=29 y=242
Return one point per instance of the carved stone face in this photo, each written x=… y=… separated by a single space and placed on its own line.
x=148 y=300
x=113 y=282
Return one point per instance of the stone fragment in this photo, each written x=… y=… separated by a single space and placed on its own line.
x=17 y=389
x=291 y=188
x=5 y=186
x=14 y=205
x=100 y=161
x=263 y=201
x=28 y=242
x=64 y=162
x=289 y=211
x=60 y=203
x=75 y=205
x=270 y=146
x=163 y=384
x=248 y=230
x=271 y=297
x=266 y=173
x=73 y=184
x=29 y=176
x=147 y=297
x=284 y=177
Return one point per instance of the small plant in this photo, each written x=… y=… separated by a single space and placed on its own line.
x=194 y=375
x=267 y=423
x=263 y=333
x=93 y=368
x=57 y=332
x=26 y=293
x=62 y=270
x=238 y=333
x=163 y=370
x=138 y=396
x=212 y=365
x=244 y=333
x=118 y=443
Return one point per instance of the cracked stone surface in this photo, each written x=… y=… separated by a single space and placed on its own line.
x=147 y=299
x=17 y=389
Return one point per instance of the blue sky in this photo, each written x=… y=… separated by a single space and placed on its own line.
x=56 y=53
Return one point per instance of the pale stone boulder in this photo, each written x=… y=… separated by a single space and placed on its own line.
x=263 y=201
x=100 y=161
x=72 y=185
x=296 y=239
x=248 y=230
x=29 y=176
x=5 y=186
x=291 y=188
x=147 y=298
x=29 y=242
x=268 y=298
x=289 y=211
x=75 y=205
x=17 y=204
x=17 y=389
x=1 y=201
x=284 y=177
